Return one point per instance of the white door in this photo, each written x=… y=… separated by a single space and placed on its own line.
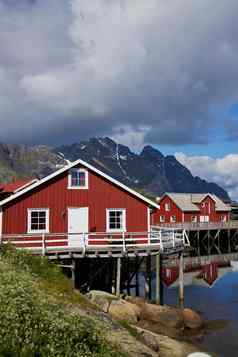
x=77 y=225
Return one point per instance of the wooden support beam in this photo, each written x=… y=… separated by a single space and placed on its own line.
x=159 y=284
x=73 y=268
x=181 y=279
x=118 y=277
x=148 y=289
x=198 y=243
x=229 y=241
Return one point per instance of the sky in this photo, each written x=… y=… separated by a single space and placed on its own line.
x=158 y=72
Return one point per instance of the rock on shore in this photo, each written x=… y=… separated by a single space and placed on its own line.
x=161 y=328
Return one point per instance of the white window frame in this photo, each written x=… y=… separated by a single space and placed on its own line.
x=123 y=210
x=173 y=220
x=85 y=187
x=29 y=230
x=162 y=218
x=194 y=219
x=167 y=206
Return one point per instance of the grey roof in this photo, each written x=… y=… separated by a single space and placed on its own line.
x=188 y=201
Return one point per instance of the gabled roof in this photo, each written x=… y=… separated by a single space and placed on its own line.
x=187 y=202
x=183 y=201
x=71 y=165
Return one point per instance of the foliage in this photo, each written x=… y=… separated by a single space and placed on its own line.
x=33 y=321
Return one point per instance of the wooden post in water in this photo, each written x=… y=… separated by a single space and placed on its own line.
x=148 y=289
x=181 y=282
x=159 y=284
x=118 y=280
x=137 y=275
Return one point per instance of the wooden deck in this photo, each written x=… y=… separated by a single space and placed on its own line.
x=101 y=244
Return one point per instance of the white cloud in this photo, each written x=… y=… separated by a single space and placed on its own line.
x=94 y=66
x=223 y=171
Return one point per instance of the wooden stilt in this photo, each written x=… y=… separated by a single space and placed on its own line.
x=128 y=286
x=148 y=278
x=229 y=241
x=198 y=235
x=73 y=273
x=137 y=276
x=181 y=281
x=159 y=283
x=118 y=280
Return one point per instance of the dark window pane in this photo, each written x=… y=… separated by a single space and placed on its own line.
x=34 y=214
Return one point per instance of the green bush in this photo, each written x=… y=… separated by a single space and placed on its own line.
x=34 y=322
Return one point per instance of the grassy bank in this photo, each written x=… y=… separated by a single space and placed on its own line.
x=35 y=319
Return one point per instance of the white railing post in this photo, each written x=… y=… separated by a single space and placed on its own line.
x=173 y=238
x=123 y=241
x=43 y=245
x=160 y=241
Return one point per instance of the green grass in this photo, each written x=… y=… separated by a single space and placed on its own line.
x=35 y=319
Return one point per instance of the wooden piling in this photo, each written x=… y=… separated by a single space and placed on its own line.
x=137 y=275
x=73 y=268
x=118 y=277
x=159 y=284
x=181 y=279
x=148 y=289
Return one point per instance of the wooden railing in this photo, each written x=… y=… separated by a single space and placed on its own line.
x=157 y=239
x=199 y=225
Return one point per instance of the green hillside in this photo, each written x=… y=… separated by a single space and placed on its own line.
x=41 y=315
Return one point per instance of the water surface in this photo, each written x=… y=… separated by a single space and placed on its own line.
x=219 y=302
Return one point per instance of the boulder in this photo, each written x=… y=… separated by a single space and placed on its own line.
x=101 y=298
x=165 y=315
x=192 y=319
x=123 y=310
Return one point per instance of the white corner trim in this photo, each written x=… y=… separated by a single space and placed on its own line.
x=148 y=219
x=29 y=230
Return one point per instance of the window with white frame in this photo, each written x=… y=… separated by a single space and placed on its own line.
x=194 y=219
x=116 y=220
x=173 y=219
x=167 y=206
x=78 y=178
x=38 y=220
x=162 y=219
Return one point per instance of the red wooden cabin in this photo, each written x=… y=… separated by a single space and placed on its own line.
x=76 y=199
x=8 y=189
x=193 y=208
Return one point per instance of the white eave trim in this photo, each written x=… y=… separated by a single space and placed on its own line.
x=90 y=167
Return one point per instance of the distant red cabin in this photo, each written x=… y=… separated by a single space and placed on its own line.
x=76 y=199
x=193 y=208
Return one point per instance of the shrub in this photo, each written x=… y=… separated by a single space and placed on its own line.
x=33 y=322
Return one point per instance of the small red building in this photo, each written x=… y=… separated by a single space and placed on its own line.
x=9 y=189
x=193 y=208
x=75 y=199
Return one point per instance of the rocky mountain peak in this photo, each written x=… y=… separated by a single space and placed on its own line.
x=149 y=152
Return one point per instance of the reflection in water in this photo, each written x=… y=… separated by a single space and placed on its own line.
x=218 y=304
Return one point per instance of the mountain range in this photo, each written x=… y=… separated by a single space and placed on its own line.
x=149 y=171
